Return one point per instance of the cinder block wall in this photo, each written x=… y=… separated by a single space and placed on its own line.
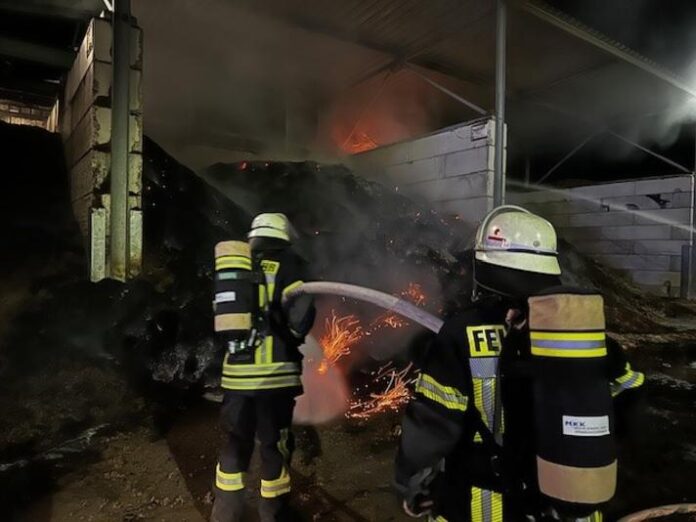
x=632 y=226
x=451 y=169
x=85 y=125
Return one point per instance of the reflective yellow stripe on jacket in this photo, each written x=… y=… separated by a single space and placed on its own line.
x=447 y=396
x=291 y=287
x=261 y=376
x=629 y=380
x=263 y=354
x=486 y=506
x=269 y=370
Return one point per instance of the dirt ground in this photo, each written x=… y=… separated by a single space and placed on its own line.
x=342 y=473
x=136 y=479
x=170 y=479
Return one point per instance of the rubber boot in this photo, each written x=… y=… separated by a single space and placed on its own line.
x=277 y=510
x=228 y=506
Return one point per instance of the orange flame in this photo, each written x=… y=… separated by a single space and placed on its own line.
x=396 y=394
x=340 y=334
x=359 y=142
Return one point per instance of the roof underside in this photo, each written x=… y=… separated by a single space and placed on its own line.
x=556 y=67
x=563 y=79
x=38 y=39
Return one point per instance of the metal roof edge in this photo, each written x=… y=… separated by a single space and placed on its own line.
x=573 y=26
x=442 y=130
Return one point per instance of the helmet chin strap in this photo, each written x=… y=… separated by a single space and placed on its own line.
x=476 y=295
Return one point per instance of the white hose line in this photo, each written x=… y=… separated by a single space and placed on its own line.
x=657 y=512
x=386 y=301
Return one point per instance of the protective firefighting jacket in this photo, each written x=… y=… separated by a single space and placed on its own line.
x=275 y=362
x=469 y=432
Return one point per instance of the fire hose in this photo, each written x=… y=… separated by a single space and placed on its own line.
x=659 y=512
x=386 y=301
x=429 y=321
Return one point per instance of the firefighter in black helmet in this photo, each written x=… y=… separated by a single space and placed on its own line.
x=261 y=383
x=468 y=450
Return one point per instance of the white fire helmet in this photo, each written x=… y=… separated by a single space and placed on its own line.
x=513 y=237
x=270 y=225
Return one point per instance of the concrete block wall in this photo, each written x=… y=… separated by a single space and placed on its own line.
x=637 y=226
x=85 y=125
x=451 y=169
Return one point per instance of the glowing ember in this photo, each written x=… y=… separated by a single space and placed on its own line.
x=340 y=334
x=388 y=320
x=396 y=394
x=415 y=294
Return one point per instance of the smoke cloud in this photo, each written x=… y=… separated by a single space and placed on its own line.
x=224 y=84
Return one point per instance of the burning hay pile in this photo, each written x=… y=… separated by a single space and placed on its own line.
x=110 y=344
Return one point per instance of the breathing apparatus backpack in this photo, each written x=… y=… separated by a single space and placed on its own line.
x=572 y=402
x=240 y=304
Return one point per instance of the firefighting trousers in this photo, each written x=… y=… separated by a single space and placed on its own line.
x=481 y=505
x=267 y=418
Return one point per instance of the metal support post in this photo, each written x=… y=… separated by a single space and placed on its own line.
x=690 y=292
x=120 y=109
x=500 y=67
x=527 y=170
x=689 y=286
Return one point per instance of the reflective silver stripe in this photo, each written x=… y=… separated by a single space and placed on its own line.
x=259 y=370
x=484 y=367
x=228 y=481
x=486 y=505
x=484 y=372
x=266 y=383
x=277 y=487
x=489 y=391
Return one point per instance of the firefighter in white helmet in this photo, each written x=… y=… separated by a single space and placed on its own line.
x=468 y=450
x=261 y=382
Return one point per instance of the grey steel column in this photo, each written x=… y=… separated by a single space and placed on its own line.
x=500 y=66
x=527 y=170
x=691 y=279
x=120 y=109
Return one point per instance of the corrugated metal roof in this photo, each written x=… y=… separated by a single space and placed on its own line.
x=551 y=56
